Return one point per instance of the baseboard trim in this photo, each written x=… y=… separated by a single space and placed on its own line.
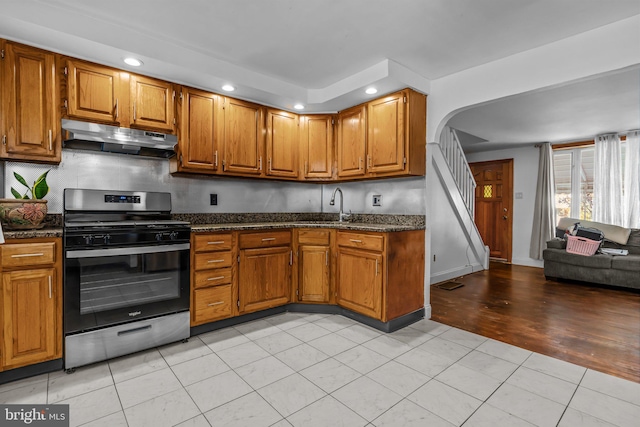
x=390 y=326
x=454 y=272
x=30 y=371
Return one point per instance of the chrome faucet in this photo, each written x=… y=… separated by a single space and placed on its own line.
x=343 y=215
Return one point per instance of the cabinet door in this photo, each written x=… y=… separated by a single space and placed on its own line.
x=243 y=137
x=29 y=317
x=152 y=104
x=359 y=283
x=352 y=139
x=313 y=274
x=93 y=92
x=386 y=134
x=30 y=117
x=283 y=140
x=199 y=125
x=316 y=144
x=264 y=278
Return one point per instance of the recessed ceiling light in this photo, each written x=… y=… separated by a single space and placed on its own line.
x=134 y=62
x=371 y=90
x=299 y=107
x=228 y=88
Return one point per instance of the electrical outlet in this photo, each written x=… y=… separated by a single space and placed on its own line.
x=213 y=199
x=377 y=200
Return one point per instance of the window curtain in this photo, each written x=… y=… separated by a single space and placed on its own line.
x=631 y=203
x=544 y=212
x=607 y=180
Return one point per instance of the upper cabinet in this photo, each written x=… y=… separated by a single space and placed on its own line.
x=396 y=135
x=94 y=93
x=29 y=106
x=352 y=142
x=152 y=104
x=243 y=140
x=316 y=147
x=283 y=139
x=199 y=126
x=383 y=138
x=106 y=95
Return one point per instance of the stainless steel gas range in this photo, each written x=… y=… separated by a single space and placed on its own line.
x=126 y=274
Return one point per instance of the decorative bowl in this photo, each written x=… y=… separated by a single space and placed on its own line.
x=22 y=214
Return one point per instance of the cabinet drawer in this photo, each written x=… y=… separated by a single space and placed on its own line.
x=212 y=303
x=371 y=242
x=219 y=276
x=207 y=260
x=314 y=237
x=19 y=255
x=265 y=240
x=213 y=242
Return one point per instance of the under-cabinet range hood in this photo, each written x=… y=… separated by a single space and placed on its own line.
x=98 y=137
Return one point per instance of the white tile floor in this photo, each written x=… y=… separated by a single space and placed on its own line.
x=317 y=370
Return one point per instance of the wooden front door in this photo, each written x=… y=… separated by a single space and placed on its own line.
x=494 y=205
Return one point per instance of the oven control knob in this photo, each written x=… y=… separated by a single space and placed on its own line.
x=173 y=235
x=159 y=237
x=107 y=239
x=88 y=240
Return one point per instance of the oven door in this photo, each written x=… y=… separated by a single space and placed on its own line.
x=109 y=286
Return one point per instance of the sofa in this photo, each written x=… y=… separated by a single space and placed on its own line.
x=614 y=270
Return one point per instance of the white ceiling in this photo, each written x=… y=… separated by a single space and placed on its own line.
x=321 y=53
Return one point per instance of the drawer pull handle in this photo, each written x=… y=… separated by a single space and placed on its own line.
x=356 y=240
x=217 y=242
x=134 y=330
x=211 y=261
x=26 y=255
x=210 y=279
x=215 y=303
x=268 y=239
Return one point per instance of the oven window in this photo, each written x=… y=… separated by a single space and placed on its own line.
x=110 y=283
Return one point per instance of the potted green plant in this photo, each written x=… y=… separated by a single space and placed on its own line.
x=28 y=209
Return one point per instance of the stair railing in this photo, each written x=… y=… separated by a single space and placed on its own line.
x=457 y=162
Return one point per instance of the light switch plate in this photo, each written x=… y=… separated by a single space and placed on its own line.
x=377 y=200
x=518 y=195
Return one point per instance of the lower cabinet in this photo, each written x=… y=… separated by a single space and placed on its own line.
x=264 y=271
x=31 y=301
x=212 y=281
x=380 y=275
x=314 y=265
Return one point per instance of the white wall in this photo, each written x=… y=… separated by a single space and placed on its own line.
x=525 y=175
x=602 y=50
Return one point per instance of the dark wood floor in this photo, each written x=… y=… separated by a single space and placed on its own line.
x=592 y=326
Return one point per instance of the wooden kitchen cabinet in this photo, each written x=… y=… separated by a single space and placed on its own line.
x=313 y=269
x=243 y=138
x=316 y=147
x=101 y=94
x=352 y=142
x=29 y=104
x=31 y=301
x=152 y=104
x=94 y=93
x=199 y=128
x=213 y=285
x=380 y=275
x=283 y=140
x=396 y=134
x=264 y=272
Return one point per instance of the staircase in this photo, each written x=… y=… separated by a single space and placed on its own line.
x=452 y=172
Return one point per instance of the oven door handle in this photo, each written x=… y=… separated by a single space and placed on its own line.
x=136 y=250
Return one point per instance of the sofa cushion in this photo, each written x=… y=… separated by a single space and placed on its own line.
x=557 y=244
x=611 y=232
x=633 y=243
x=593 y=261
x=629 y=262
